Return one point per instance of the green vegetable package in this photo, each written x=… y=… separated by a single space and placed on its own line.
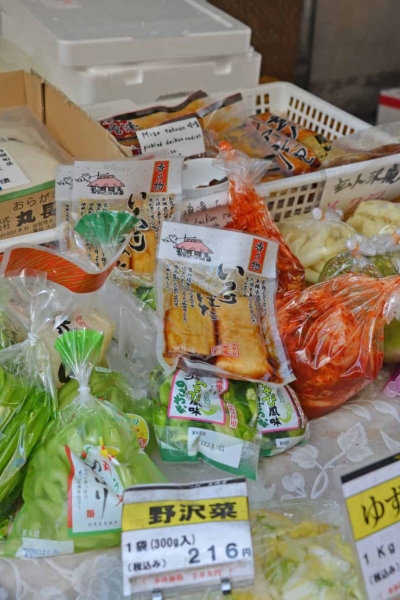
x=75 y=481
x=208 y=418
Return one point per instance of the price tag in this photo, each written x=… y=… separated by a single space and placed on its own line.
x=348 y=185
x=186 y=535
x=11 y=175
x=184 y=138
x=372 y=496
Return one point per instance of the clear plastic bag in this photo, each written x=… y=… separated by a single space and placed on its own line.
x=73 y=490
x=250 y=214
x=208 y=418
x=315 y=238
x=27 y=393
x=374 y=217
x=333 y=334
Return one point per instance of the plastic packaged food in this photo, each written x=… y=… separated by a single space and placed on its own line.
x=75 y=481
x=113 y=387
x=148 y=189
x=27 y=395
x=281 y=420
x=208 y=418
x=249 y=213
x=374 y=217
x=215 y=298
x=333 y=334
x=315 y=238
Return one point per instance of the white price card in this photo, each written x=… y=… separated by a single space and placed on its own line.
x=372 y=496
x=177 y=535
x=348 y=185
x=11 y=175
x=183 y=138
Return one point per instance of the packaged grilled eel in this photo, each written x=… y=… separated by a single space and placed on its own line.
x=374 y=217
x=249 y=213
x=215 y=294
x=148 y=189
x=333 y=333
x=208 y=418
x=27 y=393
x=74 y=485
x=281 y=420
x=315 y=238
x=315 y=142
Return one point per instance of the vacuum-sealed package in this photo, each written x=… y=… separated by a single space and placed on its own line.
x=147 y=188
x=27 y=393
x=281 y=420
x=215 y=292
x=74 y=487
x=208 y=418
x=333 y=334
x=374 y=217
x=249 y=213
x=315 y=238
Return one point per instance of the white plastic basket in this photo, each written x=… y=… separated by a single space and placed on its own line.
x=298 y=195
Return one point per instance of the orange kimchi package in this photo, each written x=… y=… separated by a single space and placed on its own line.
x=215 y=294
x=249 y=213
x=333 y=334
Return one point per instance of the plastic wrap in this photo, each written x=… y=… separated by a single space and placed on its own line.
x=208 y=418
x=374 y=217
x=27 y=396
x=73 y=490
x=333 y=333
x=281 y=420
x=215 y=292
x=315 y=238
x=250 y=214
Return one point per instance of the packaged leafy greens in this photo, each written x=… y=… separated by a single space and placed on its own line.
x=208 y=418
x=281 y=420
x=75 y=481
x=113 y=387
x=27 y=396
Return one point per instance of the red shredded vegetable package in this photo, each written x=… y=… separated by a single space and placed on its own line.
x=250 y=214
x=333 y=334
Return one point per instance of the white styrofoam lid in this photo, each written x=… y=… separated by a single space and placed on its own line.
x=95 y=32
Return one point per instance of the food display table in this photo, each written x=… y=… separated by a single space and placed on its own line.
x=362 y=429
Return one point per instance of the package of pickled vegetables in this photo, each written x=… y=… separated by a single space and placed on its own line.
x=315 y=238
x=333 y=333
x=148 y=189
x=374 y=217
x=215 y=298
x=250 y=214
x=209 y=419
x=281 y=420
x=27 y=391
x=75 y=481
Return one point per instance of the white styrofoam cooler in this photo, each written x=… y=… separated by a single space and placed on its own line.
x=89 y=33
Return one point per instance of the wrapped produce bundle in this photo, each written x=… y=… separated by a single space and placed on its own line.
x=374 y=217
x=249 y=213
x=75 y=481
x=315 y=238
x=333 y=332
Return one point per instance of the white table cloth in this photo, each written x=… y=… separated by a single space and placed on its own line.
x=365 y=427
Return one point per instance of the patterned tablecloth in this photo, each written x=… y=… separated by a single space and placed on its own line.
x=364 y=428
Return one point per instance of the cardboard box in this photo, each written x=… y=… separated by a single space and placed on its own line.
x=389 y=106
x=80 y=136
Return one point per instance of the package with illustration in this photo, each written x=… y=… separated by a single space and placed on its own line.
x=215 y=293
x=147 y=188
x=208 y=418
x=74 y=485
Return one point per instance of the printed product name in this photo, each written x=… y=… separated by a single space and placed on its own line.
x=277 y=410
x=197 y=399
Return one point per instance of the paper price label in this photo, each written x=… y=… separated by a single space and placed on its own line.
x=372 y=496
x=11 y=175
x=183 y=138
x=348 y=185
x=185 y=535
